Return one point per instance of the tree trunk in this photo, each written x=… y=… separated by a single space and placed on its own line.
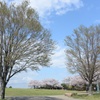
x=3 y=86
x=90 y=88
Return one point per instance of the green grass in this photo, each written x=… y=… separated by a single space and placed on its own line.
x=87 y=97
x=33 y=92
x=46 y=92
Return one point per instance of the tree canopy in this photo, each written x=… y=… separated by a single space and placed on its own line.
x=24 y=42
x=83 y=54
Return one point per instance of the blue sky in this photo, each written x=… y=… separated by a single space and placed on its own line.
x=61 y=17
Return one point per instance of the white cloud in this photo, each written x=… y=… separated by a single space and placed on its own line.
x=97 y=21
x=46 y=8
x=59 y=58
x=59 y=7
x=22 y=79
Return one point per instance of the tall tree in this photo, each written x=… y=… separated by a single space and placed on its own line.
x=24 y=43
x=83 y=54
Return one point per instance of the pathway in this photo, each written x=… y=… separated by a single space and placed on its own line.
x=58 y=97
x=63 y=97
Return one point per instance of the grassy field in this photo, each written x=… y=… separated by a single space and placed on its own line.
x=46 y=92
x=86 y=97
x=34 y=92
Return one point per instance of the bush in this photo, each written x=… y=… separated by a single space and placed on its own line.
x=10 y=86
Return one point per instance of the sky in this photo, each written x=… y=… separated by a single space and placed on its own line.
x=61 y=17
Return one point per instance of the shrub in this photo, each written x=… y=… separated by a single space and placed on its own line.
x=10 y=86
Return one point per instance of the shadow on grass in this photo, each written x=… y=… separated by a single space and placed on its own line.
x=33 y=98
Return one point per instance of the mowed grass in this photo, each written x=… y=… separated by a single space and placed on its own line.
x=45 y=92
x=87 y=97
x=34 y=92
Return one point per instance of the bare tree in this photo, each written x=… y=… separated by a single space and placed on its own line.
x=83 y=55
x=24 y=43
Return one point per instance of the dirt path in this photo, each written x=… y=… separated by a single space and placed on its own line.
x=33 y=98
x=58 y=97
x=63 y=97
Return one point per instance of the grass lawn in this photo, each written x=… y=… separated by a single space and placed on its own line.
x=46 y=92
x=86 y=97
x=34 y=92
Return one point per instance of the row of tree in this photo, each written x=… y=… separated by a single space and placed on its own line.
x=25 y=43
x=47 y=84
x=70 y=83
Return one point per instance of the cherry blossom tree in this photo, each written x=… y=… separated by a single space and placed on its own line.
x=34 y=84
x=75 y=82
x=47 y=83
x=52 y=83
x=78 y=82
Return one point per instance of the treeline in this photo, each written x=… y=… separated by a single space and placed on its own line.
x=69 y=83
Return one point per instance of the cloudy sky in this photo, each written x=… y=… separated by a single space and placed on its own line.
x=61 y=17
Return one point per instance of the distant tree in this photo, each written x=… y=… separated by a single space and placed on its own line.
x=47 y=84
x=64 y=85
x=83 y=54
x=24 y=43
x=76 y=82
x=34 y=84
x=67 y=80
x=50 y=83
x=10 y=86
